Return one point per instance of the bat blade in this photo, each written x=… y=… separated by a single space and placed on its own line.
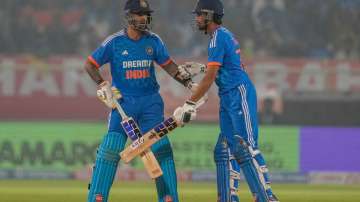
x=151 y=164
x=147 y=140
x=153 y=136
x=147 y=156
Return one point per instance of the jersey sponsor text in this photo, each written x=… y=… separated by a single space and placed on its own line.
x=137 y=63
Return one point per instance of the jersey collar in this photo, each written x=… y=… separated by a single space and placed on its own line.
x=212 y=34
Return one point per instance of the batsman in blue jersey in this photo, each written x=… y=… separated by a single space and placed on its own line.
x=237 y=144
x=131 y=54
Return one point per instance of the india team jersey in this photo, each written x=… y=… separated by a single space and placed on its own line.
x=224 y=50
x=132 y=62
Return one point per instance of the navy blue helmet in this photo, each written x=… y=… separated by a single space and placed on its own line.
x=216 y=7
x=211 y=10
x=138 y=7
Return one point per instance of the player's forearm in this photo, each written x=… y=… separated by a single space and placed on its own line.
x=172 y=70
x=93 y=72
x=205 y=83
x=203 y=87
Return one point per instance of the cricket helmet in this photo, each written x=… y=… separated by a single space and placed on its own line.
x=212 y=8
x=138 y=7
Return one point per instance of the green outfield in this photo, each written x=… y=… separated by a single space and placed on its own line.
x=55 y=146
x=75 y=191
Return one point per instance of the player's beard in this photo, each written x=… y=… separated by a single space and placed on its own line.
x=142 y=25
x=201 y=26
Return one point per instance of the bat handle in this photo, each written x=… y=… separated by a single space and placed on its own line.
x=120 y=109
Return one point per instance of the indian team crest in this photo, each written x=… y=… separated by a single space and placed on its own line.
x=149 y=50
x=143 y=4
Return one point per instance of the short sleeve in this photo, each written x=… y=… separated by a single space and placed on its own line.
x=216 y=50
x=102 y=54
x=162 y=56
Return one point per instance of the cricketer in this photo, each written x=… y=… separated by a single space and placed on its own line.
x=131 y=54
x=238 y=109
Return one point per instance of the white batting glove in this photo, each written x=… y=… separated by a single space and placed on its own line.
x=186 y=113
x=191 y=69
x=106 y=93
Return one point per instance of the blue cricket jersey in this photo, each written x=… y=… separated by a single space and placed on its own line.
x=132 y=62
x=224 y=50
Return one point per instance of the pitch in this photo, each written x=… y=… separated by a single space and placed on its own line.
x=75 y=191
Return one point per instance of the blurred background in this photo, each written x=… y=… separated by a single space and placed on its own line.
x=303 y=57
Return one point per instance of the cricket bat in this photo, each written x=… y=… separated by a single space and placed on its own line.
x=147 y=140
x=133 y=132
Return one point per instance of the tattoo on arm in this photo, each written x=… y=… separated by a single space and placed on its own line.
x=172 y=70
x=93 y=72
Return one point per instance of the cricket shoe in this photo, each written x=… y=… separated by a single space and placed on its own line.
x=168 y=198
x=273 y=198
x=234 y=198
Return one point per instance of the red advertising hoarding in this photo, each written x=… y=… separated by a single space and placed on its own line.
x=58 y=87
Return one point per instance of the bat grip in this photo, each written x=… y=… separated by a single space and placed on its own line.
x=187 y=117
x=120 y=109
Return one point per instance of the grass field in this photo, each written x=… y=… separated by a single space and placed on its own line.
x=75 y=191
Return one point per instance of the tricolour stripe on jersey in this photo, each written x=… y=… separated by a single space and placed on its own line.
x=93 y=61
x=245 y=108
x=213 y=40
x=111 y=37
x=165 y=63
x=213 y=64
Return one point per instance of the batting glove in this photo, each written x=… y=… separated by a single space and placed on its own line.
x=190 y=69
x=186 y=113
x=106 y=93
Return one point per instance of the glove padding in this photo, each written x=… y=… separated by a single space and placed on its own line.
x=186 y=113
x=106 y=93
x=190 y=70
